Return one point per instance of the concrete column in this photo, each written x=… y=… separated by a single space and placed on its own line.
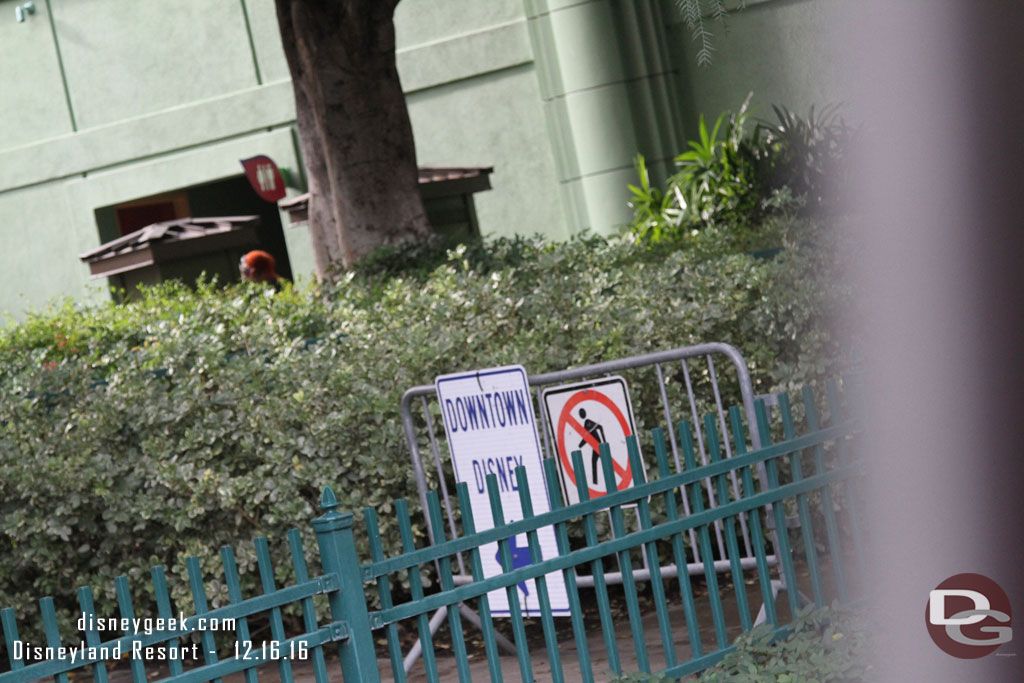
x=604 y=74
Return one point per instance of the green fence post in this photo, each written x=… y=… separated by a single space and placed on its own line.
x=338 y=556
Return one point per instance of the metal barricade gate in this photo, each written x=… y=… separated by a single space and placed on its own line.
x=688 y=357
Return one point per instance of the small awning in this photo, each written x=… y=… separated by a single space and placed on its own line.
x=170 y=241
x=435 y=181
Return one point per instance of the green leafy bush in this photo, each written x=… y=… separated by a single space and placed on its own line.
x=822 y=645
x=134 y=435
x=640 y=677
x=827 y=645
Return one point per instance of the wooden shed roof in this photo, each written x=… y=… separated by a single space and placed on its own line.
x=168 y=241
x=435 y=181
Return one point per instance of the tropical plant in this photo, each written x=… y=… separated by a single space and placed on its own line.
x=717 y=180
x=657 y=214
x=731 y=177
x=807 y=155
x=718 y=175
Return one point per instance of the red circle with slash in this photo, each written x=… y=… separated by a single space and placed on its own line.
x=566 y=419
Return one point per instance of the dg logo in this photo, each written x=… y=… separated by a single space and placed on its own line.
x=968 y=616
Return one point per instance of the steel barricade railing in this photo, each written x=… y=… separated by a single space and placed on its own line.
x=656 y=360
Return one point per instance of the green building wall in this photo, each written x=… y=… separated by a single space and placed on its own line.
x=107 y=101
x=782 y=51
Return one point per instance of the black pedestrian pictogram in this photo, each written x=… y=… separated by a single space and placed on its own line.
x=597 y=431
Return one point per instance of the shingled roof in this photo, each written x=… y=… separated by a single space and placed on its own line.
x=170 y=240
x=435 y=181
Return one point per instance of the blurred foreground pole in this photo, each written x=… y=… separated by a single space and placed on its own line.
x=941 y=194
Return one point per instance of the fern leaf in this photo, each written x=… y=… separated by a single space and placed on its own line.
x=718 y=11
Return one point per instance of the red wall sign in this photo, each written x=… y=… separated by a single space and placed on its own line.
x=265 y=177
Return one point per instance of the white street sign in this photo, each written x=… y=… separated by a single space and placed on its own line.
x=491 y=429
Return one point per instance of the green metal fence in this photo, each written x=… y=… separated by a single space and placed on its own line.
x=809 y=478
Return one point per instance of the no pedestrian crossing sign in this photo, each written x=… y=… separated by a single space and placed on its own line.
x=489 y=421
x=582 y=416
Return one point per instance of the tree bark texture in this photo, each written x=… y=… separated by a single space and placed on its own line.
x=353 y=127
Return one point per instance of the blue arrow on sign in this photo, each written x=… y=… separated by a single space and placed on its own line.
x=520 y=558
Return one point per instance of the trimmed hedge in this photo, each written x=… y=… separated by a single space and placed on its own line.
x=135 y=435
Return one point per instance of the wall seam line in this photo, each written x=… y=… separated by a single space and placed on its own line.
x=60 y=65
x=155 y=155
x=252 y=43
x=458 y=79
x=594 y=174
x=623 y=81
x=465 y=35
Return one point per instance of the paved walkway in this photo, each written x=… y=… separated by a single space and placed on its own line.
x=540 y=666
x=567 y=651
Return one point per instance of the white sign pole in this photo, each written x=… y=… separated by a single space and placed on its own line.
x=491 y=429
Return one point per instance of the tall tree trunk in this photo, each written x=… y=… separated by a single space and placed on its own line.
x=353 y=127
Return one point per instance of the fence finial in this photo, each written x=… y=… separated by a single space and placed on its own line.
x=328 y=501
